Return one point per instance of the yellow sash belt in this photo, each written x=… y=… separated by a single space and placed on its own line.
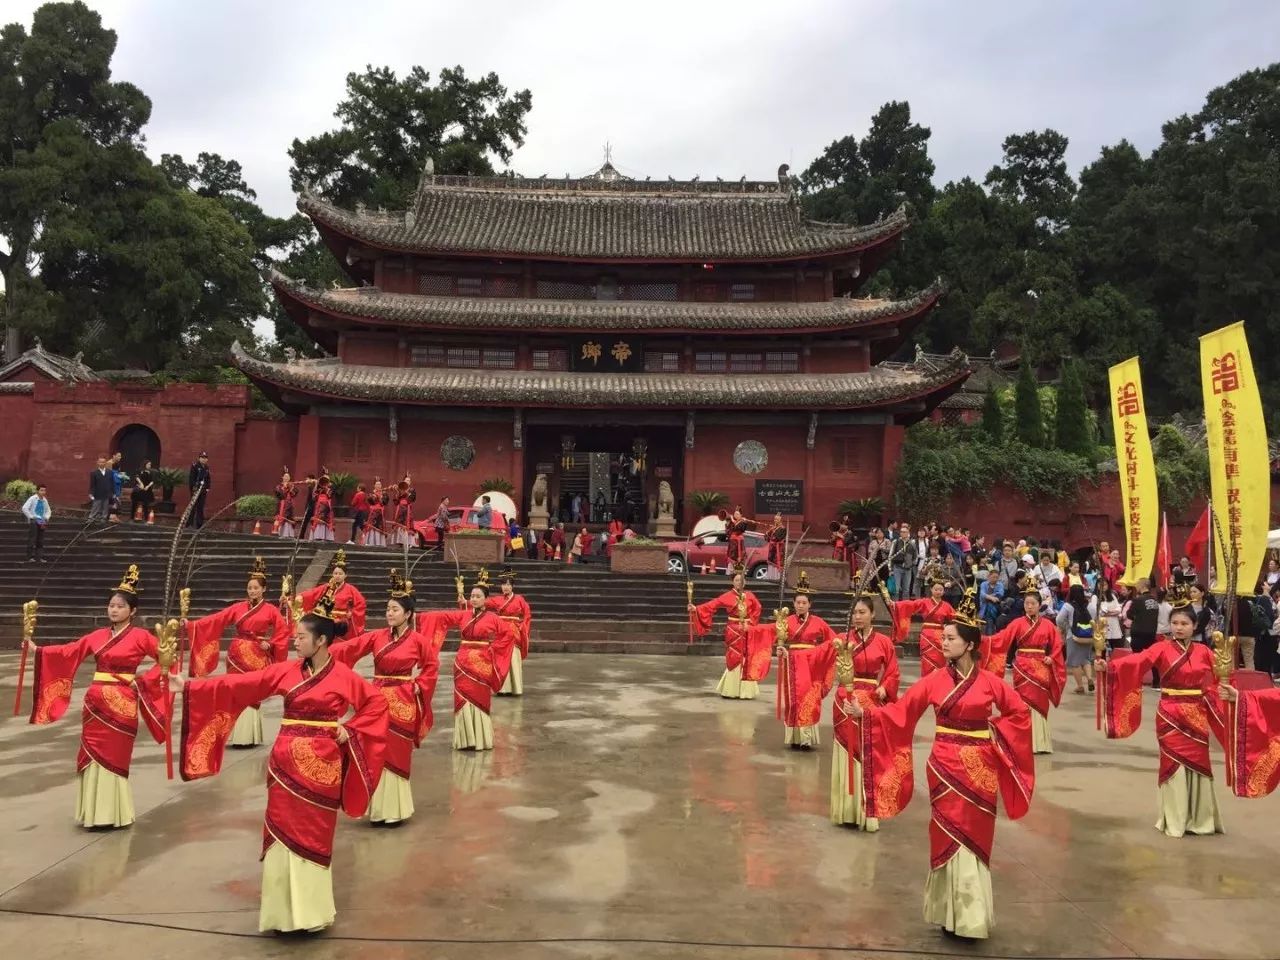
x=1039 y=650
x=390 y=676
x=1178 y=692
x=310 y=723
x=976 y=734
x=113 y=678
x=800 y=646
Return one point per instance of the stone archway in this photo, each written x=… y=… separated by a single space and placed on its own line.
x=136 y=443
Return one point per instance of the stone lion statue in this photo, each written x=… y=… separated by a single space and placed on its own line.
x=539 y=493
x=666 y=500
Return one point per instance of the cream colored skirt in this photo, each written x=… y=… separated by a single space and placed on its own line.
x=1041 y=736
x=472 y=729
x=1188 y=805
x=514 y=684
x=957 y=896
x=803 y=736
x=248 y=729
x=392 y=800
x=848 y=807
x=104 y=799
x=296 y=894
x=733 y=687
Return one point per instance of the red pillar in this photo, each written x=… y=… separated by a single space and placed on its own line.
x=307 y=458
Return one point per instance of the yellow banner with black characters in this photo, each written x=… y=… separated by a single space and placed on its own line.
x=1138 y=492
x=1239 y=464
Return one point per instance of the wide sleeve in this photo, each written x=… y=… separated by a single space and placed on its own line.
x=903 y=611
x=204 y=637
x=1253 y=743
x=704 y=613
x=753 y=607
x=1011 y=737
x=1120 y=695
x=892 y=677
x=309 y=597
x=424 y=685
x=761 y=639
x=1057 y=651
x=155 y=699
x=357 y=610
x=352 y=650
x=54 y=669
x=281 y=634
x=500 y=647
x=436 y=624
x=995 y=653
x=888 y=776
x=363 y=753
x=209 y=709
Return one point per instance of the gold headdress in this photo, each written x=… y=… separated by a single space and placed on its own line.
x=802 y=584
x=482 y=578
x=967 y=612
x=1179 y=595
x=507 y=574
x=324 y=606
x=739 y=568
x=129 y=583
x=258 y=570
x=400 y=587
x=1031 y=585
x=339 y=560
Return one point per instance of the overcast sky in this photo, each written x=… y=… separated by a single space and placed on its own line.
x=692 y=87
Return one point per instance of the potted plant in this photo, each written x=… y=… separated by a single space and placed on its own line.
x=496 y=485
x=708 y=501
x=865 y=512
x=639 y=555
x=341 y=484
x=479 y=547
x=167 y=478
x=18 y=491
x=254 y=507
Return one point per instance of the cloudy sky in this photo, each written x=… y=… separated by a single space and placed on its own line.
x=688 y=88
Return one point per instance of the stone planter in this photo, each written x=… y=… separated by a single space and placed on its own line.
x=641 y=558
x=477 y=549
x=825 y=575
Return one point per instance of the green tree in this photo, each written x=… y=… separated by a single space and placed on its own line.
x=1033 y=174
x=1028 y=425
x=1072 y=428
x=992 y=416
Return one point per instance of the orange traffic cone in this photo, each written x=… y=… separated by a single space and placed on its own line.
x=257 y=527
x=151 y=516
x=137 y=512
x=557 y=556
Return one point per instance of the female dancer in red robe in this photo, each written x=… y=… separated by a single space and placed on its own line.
x=284 y=524
x=406 y=666
x=1189 y=710
x=745 y=662
x=805 y=670
x=867 y=671
x=349 y=603
x=322 y=512
x=1253 y=740
x=514 y=610
x=480 y=667
x=374 y=533
x=974 y=757
x=261 y=637
x=109 y=720
x=933 y=611
x=1039 y=664
x=403 y=533
x=318 y=764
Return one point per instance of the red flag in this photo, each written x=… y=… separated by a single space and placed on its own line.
x=1197 y=545
x=1164 y=562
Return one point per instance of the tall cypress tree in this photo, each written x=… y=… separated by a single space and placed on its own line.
x=1072 y=422
x=992 y=417
x=1028 y=427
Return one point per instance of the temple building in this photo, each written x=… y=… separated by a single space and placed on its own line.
x=610 y=334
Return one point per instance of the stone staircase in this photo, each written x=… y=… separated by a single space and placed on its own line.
x=576 y=607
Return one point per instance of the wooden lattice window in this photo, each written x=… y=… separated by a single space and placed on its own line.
x=436 y=284
x=845 y=453
x=354 y=445
x=565 y=290
x=661 y=361
x=742 y=291
x=648 y=291
x=553 y=358
x=782 y=361
x=710 y=362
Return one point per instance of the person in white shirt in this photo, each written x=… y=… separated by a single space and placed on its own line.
x=38 y=513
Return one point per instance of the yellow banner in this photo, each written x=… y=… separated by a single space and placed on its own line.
x=1138 y=492
x=1239 y=465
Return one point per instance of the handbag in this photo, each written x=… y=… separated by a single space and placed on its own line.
x=517 y=543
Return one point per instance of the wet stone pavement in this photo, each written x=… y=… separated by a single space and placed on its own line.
x=626 y=811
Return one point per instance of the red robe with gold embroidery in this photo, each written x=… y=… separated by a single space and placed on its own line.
x=744 y=647
x=484 y=653
x=405 y=670
x=254 y=626
x=806 y=670
x=933 y=615
x=1039 y=684
x=875 y=664
x=974 y=757
x=1189 y=707
x=109 y=719
x=348 y=604
x=515 y=611
x=310 y=776
x=1253 y=742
